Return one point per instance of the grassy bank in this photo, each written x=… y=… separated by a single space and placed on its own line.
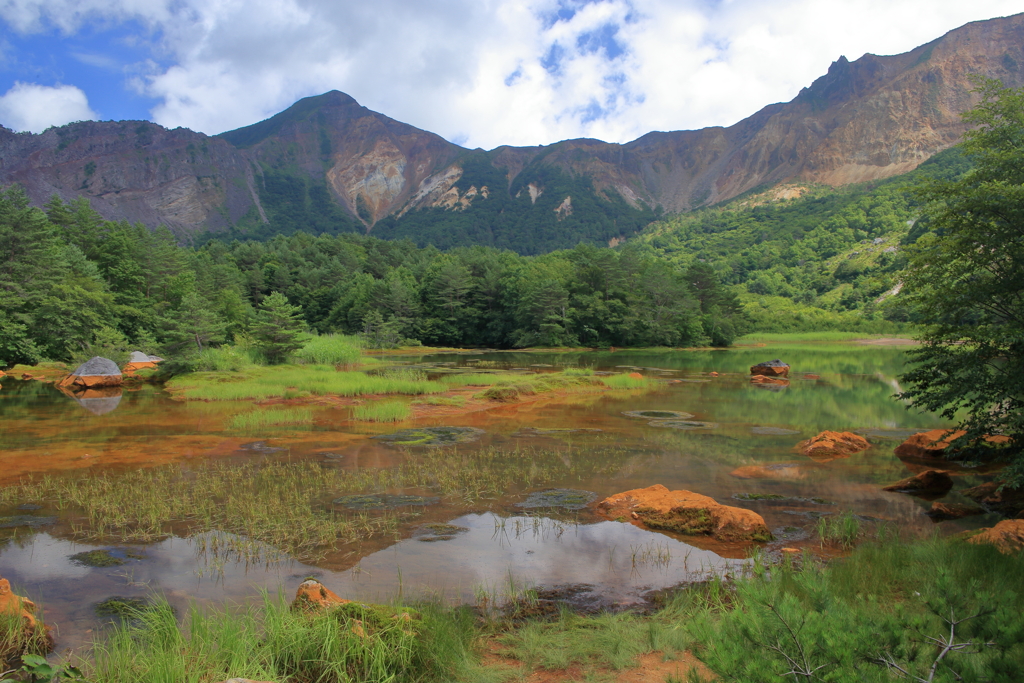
x=822 y=336
x=927 y=610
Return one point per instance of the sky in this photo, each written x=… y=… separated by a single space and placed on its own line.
x=480 y=73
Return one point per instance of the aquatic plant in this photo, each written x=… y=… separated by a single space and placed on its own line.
x=275 y=381
x=842 y=529
x=382 y=411
x=569 y=499
x=331 y=349
x=257 y=420
x=624 y=381
x=383 y=501
x=432 y=436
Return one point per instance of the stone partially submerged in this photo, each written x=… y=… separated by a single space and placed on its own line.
x=928 y=483
x=140 y=361
x=933 y=444
x=94 y=373
x=684 y=512
x=831 y=445
x=772 y=368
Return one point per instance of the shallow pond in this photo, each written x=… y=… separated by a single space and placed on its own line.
x=468 y=536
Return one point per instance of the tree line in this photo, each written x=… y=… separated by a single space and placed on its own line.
x=73 y=285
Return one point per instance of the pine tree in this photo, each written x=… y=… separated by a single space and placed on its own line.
x=279 y=328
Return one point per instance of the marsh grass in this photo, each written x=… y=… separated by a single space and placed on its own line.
x=352 y=643
x=276 y=381
x=283 y=504
x=382 y=411
x=821 y=335
x=16 y=639
x=443 y=400
x=624 y=381
x=331 y=349
x=260 y=420
x=841 y=529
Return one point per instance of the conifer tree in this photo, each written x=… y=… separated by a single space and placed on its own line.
x=279 y=328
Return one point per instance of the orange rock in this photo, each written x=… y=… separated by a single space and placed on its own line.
x=932 y=444
x=773 y=368
x=2 y=373
x=929 y=482
x=997 y=498
x=776 y=471
x=811 y=375
x=942 y=511
x=636 y=375
x=761 y=379
x=712 y=374
x=314 y=595
x=132 y=368
x=1007 y=536
x=16 y=605
x=685 y=512
x=791 y=550
x=831 y=445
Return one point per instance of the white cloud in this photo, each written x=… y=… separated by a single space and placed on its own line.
x=31 y=107
x=493 y=72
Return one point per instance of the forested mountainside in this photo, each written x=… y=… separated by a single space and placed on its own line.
x=803 y=256
x=329 y=165
x=73 y=285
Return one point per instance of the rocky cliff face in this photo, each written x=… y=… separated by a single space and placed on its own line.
x=863 y=120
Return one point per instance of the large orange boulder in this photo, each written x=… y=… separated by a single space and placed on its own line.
x=36 y=640
x=927 y=483
x=94 y=373
x=772 y=368
x=831 y=445
x=932 y=444
x=684 y=512
x=1007 y=536
x=313 y=595
x=997 y=498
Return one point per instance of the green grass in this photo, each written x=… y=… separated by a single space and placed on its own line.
x=16 y=640
x=624 y=381
x=382 y=411
x=352 y=643
x=823 y=335
x=443 y=400
x=578 y=372
x=257 y=420
x=277 y=381
x=225 y=359
x=841 y=529
x=331 y=349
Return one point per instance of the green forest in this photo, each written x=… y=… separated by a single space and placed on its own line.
x=74 y=285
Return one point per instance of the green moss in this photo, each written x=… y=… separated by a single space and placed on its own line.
x=105 y=557
x=689 y=521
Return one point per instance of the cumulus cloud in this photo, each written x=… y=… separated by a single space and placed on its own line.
x=490 y=72
x=31 y=107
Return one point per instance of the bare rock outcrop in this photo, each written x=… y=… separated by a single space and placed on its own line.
x=684 y=512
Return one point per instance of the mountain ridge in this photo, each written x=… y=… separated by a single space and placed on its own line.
x=329 y=164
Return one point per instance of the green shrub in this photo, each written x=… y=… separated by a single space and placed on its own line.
x=331 y=349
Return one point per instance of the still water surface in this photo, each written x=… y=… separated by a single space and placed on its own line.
x=499 y=548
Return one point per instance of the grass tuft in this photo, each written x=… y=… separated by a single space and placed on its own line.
x=331 y=349
x=382 y=411
x=258 y=420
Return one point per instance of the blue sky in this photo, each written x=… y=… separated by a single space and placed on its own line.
x=479 y=72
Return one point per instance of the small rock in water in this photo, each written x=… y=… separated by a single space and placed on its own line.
x=683 y=424
x=927 y=483
x=383 y=501
x=568 y=499
x=658 y=414
x=260 y=447
x=772 y=368
x=26 y=520
x=432 y=436
x=430 y=533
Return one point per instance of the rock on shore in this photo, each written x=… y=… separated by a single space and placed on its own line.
x=830 y=445
x=684 y=512
x=94 y=373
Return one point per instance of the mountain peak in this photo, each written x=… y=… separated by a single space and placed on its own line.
x=247 y=136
